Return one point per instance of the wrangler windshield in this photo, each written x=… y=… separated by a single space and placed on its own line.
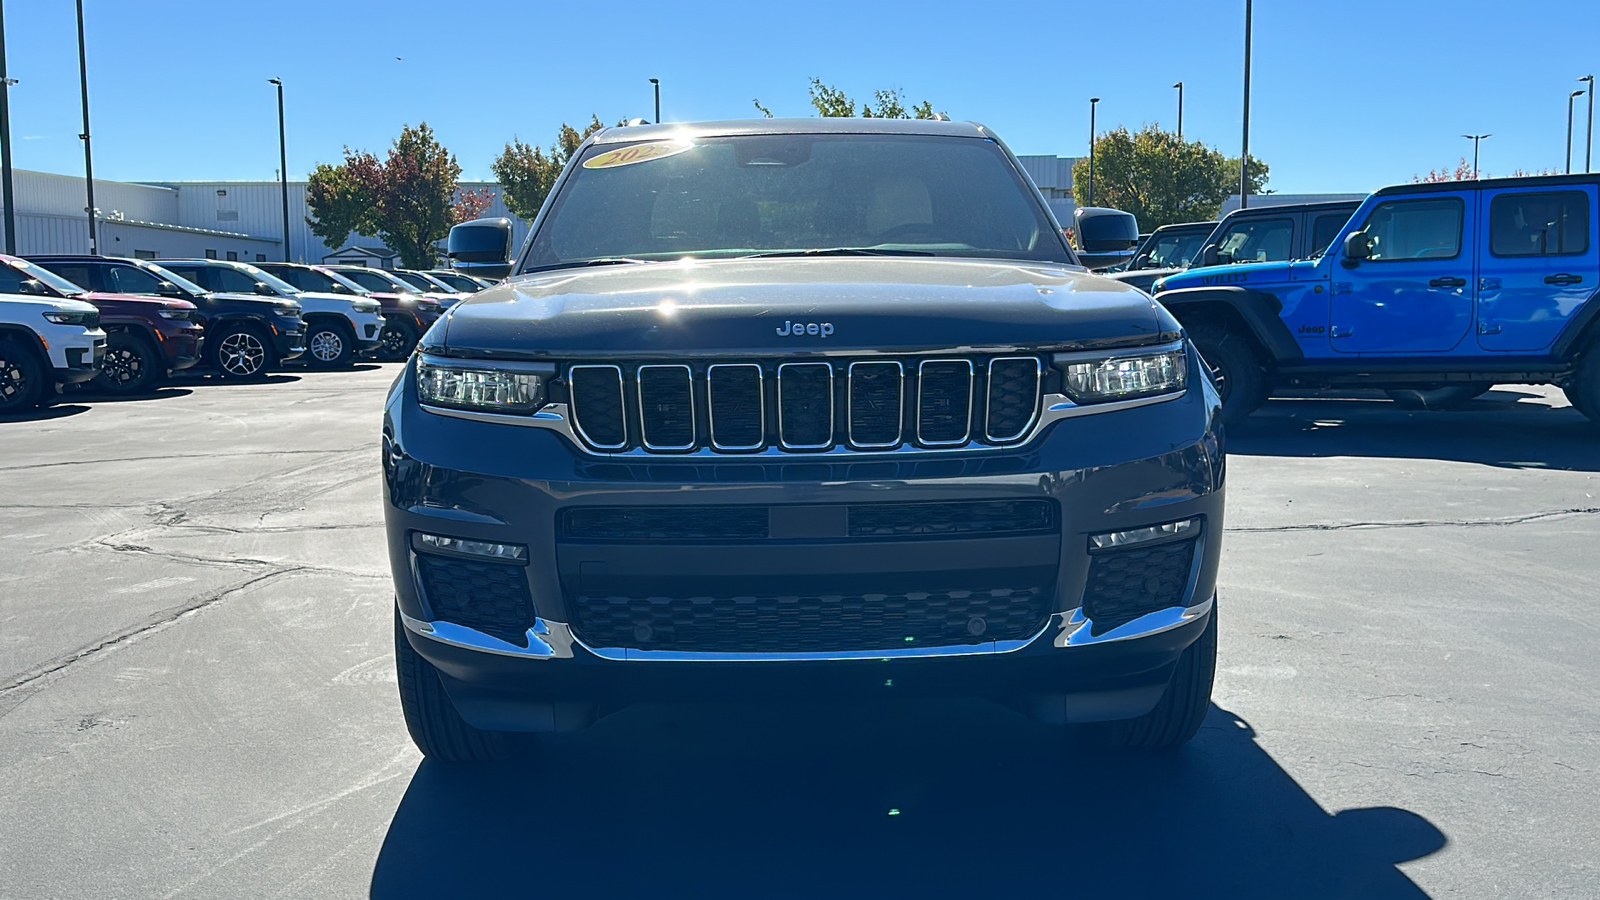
x=720 y=197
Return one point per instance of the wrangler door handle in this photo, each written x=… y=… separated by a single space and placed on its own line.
x=1563 y=279
x=1448 y=281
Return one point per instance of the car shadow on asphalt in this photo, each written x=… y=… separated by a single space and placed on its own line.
x=90 y=395
x=1493 y=430
x=211 y=379
x=45 y=413
x=922 y=799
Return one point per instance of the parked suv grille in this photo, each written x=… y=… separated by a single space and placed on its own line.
x=812 y=624
x=689 y=524
x=865 y=405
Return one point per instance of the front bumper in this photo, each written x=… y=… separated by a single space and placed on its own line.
x=182 y=346
x=288 y=340
x=80 y=363
x=1105 y=472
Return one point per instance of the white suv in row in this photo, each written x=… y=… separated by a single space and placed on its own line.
x=44 y=342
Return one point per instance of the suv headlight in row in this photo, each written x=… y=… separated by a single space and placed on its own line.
x=503 y=388
x=367 y=306
x=182 y=315
x=73 y=317
x=1125 y=375
x=286 y=309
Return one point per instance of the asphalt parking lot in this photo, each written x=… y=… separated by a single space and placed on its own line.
x=197 y=697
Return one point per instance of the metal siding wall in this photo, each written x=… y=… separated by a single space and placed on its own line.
x=64 y=195
x=125 y=239
x=52 y=234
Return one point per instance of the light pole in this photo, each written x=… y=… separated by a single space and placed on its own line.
x=1572 y=98
x=283 y=170
x=1475 y=138
x=1093 y=102
x=1588 y=144
x=657 y=83
x=6 y=189
x=88 y=154
x=1244 y=153
x=1179 y=86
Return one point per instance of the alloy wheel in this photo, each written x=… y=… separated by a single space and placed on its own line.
x=242 y=353
x=396 y=342
x=13 y=382
x=122 y=367
x=326 y=346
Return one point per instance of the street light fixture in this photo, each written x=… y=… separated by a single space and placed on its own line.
x=1244 y=152
x=1475 y=138
x=283 y=168
x=88 y=154
x=657 y=83
x=7 y=190
x=1570 y=100
x=1179 y=86
x=1588 y=145
x=1093 y=103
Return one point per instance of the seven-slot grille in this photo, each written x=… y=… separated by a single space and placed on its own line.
x=864 y=405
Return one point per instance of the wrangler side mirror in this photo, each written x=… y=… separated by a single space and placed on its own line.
x=1357 y=246
x=1210 y=256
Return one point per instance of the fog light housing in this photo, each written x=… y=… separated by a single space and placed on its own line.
x=514 y=553
x=1149 y=533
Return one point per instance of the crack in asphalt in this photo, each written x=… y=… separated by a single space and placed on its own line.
x=170 y=456
x=158 y=622
x=1421 y=523
x=225 y=562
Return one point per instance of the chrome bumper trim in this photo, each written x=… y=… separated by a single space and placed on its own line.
x=555 y=640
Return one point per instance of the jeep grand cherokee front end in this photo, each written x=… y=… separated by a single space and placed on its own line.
x=801 y=408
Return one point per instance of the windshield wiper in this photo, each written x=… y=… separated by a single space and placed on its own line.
x=839 y=251
x=585 y=263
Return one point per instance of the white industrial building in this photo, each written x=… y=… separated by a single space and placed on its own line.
x=243 y=220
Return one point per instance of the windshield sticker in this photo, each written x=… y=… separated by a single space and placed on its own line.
x=638 y=153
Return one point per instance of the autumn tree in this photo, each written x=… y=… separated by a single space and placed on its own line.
x=1156 y=176
x=1463 y=172
x=528 y=172
x=832 y=102
x=409 y=200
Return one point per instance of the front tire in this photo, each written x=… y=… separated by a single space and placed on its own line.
x=239 y=352
x=329 y=347
x=132 y=365
x=1240 y=377
x=397 y=339
x=436 y=728
x=1177 y=717
x=1583 y=391
x=22 y=378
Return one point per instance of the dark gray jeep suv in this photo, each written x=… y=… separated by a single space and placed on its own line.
x=816 y=408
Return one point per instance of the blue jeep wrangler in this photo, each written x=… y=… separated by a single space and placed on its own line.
x=1433 y=292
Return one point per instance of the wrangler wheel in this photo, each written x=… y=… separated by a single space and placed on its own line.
x=1236 y=369
x=1583 y=391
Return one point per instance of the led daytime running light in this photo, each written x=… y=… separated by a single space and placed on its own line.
x=513 y=552
x=1142 y=535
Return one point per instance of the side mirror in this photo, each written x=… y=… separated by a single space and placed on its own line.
x=265 y=289
x=168 y=289
x=481 y=247
x=31 y=286
x=1210 y=256
x=338 y=288
x=1142 y=262
x=1357 y=246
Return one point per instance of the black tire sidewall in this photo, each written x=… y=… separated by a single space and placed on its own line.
x=1244 y=385
x=32 y=373
x=150 y=358
x=405 y=328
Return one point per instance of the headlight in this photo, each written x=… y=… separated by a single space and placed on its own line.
x=289 y=309
x=368 y=306
x=1125 y=376
x=72 y=317
x=181 y=315
x=496 y=389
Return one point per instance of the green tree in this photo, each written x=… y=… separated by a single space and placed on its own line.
x=409 y=200
x=833 y=102
x=1159 y=178
x=527 y=173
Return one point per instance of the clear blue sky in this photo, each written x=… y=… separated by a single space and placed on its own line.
x=1348 y=95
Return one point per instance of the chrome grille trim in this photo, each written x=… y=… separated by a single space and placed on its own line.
x=644 y=428
x=966 y=433
x=850 y=403
x=832 y=413
x=988 y=411
x=761 y=406
x=621 y=404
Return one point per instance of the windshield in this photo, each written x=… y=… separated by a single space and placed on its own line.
x=373 y=280
x=458 y=283
x=722 y=197
x=183 y=284
x=273 y=281
x=47 y=278
x=417 y=281
x=1176 y=250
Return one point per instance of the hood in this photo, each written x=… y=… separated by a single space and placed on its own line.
x=1241 y=274
x=255 y=298
x=798 y=306
x=1136 y=276
x=46 y=304
x=133 y=302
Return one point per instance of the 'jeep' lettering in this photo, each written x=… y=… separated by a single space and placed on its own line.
x=802 y=329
